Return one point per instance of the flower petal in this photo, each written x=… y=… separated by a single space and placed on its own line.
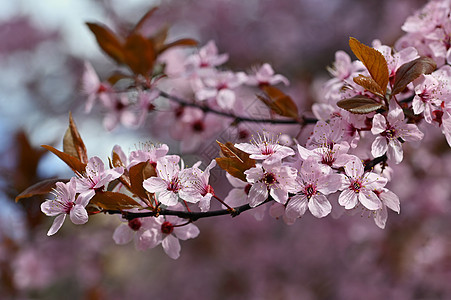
x=78 y=214
x=57 y=223
x=171 y=246
x=319 y=206
x=122 y=234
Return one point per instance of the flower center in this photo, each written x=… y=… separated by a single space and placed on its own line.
x=198 y=126
x=247 y=188
x=174 y=185
x=389 y=133
x=167 y=227
x=328 y=158
x=208 y=189
x=355 y=186
x=270 y=178
x=309 y=190
x=134 y=224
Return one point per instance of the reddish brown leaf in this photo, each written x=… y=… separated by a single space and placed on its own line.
x=408 y=72
x=374 y=61
x=108 y=41
x=143 y=20
x=111 y=201
x=40 y=188
x=279 y=102
x=73 y=143
x=73 y=162
x=360 y=105
x=116 y=76
x=368 y=83
x=139 y=173
x=178 y=43
x=139 y=54
x=234 y=161
x=159 y=38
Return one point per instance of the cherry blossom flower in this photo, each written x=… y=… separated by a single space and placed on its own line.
x=93 y=88
x=358 y=186
x=200 y=190
x=430 y=91
x=66 y=203
x=119 y=112
x=312 y=187
x=149 y=153
x=238 y=196
x=207 y=57
x=328 y=158
x=169 y=183
x=275 y=178
x=96 y=177
x=326 y=134
x=171 y=229
x=141 y=230
x=389 y=132
x=219 y=86
x=395 y=60
x=266 y=147
x=388 y=199
x=265 y=76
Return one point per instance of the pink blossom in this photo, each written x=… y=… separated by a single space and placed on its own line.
x=359 y=186
x=238 y=196
x=220 y=87
x=388 y=199
x=389 y=132
x=141 y=230
x=265 y=76
x=207 y=57
x=96 y=177
x=312 y=186
x=197 y=182
x=266 y=147
x=327 y=157
x=65 y=203
x=395 y=60
x=149 y=153
x=326 y=134
x=93 y=88
x=430 y=91
x=169 y=184
x=170 y=231
x=119 y=112
x=275 y=178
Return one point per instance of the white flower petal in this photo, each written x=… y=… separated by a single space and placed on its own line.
x=171 y=246
x=57 y=223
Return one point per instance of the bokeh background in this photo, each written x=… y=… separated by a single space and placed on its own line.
x=42 y=50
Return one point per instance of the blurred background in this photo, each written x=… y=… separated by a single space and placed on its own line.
x=43 y=47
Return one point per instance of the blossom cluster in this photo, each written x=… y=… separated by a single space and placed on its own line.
x=371 y=112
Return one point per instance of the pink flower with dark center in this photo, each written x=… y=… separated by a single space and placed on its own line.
x=96 y=177
x=148 y=153
x=168 y=232
x=265 y=76
x=390 y=131
x=266 y=147
x=196 y=181
x=328 y=158
x=312 y=186
x=207 y=57
x=273 y=179
x=170 y=183
x=140 y=230
x=358 y=186
x=65 y=203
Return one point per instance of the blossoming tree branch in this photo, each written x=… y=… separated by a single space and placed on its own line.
x=369 y=114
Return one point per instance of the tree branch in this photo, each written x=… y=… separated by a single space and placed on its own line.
x=192 y=216
x=302 y=121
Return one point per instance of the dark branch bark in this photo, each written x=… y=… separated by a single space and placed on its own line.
x=301 y=121
x=192 y=216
